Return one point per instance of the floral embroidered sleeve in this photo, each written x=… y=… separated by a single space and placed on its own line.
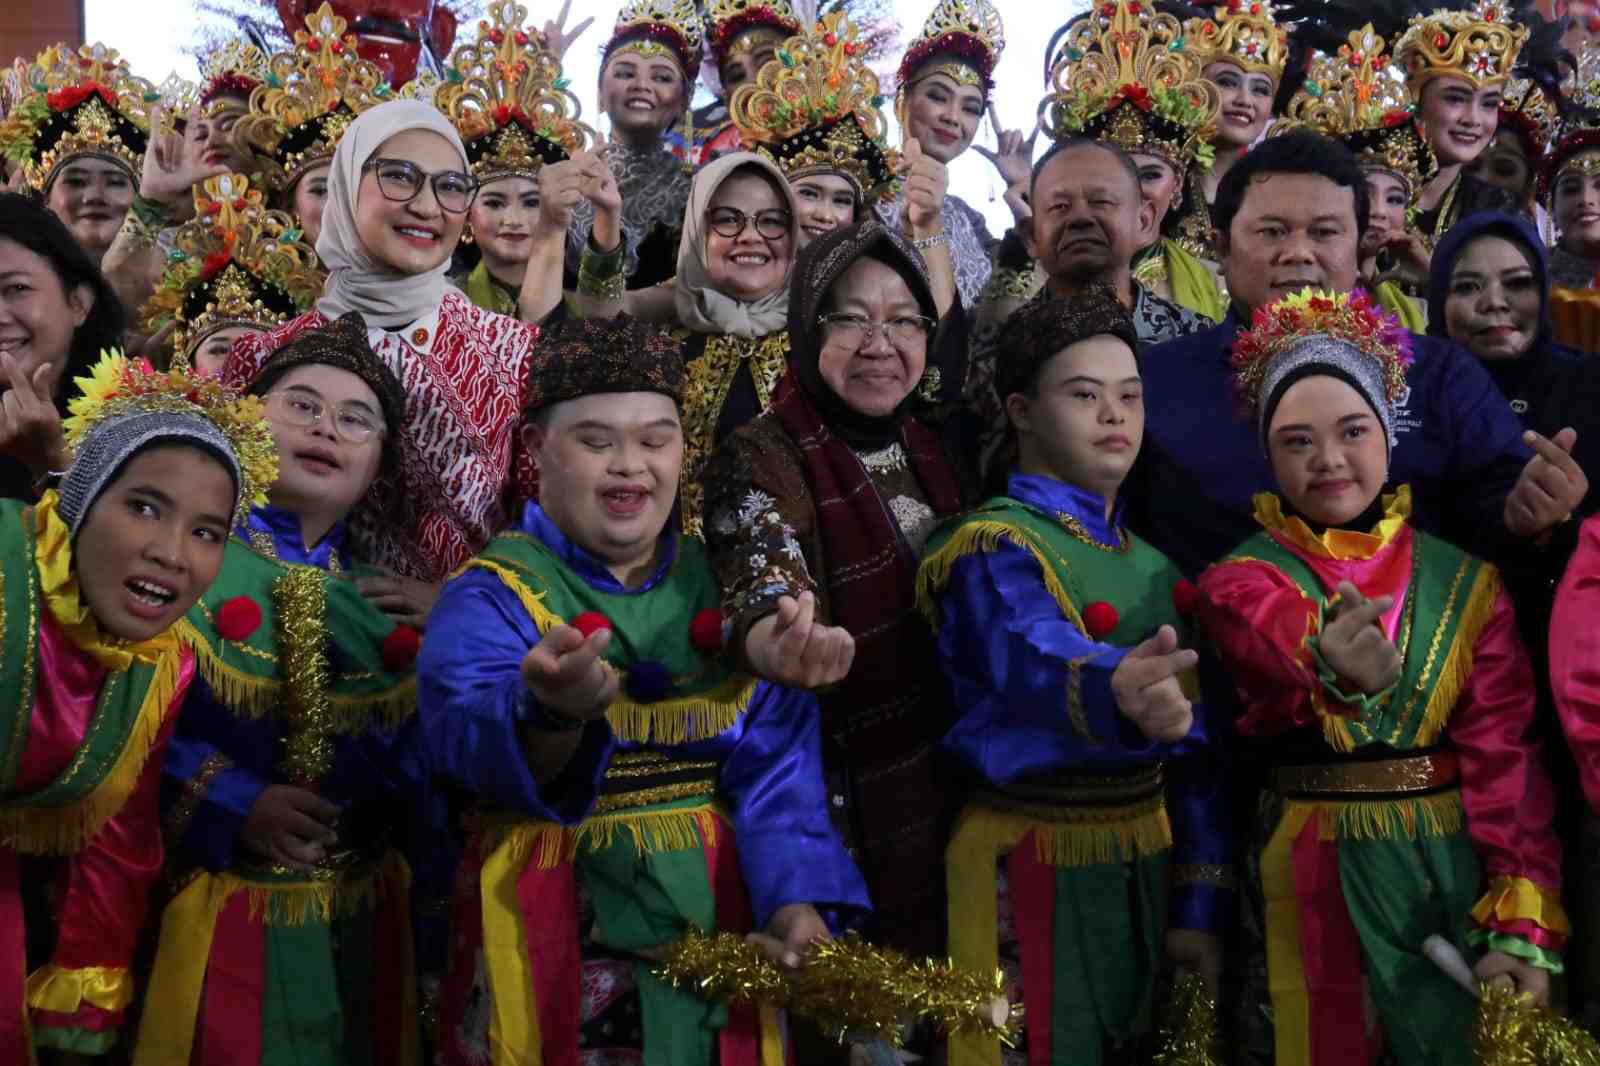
x=759 y=516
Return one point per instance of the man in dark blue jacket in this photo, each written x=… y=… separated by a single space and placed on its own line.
x=1290 y=215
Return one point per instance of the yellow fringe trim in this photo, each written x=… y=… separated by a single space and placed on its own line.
x=1514 y=899
x=1437 y=815
x=977 y=537
x=64 y=830
x=1457 y=668
x=63 y=991
x=256 y=697
x=1092 y=840
x=652 y=831
x=664 y=722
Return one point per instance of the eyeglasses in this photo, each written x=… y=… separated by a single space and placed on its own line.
x=730 y=222
x=855 y=329
x=350 y=423
x=401 y=181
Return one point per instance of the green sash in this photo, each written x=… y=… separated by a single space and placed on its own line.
x=1448 y=602
x=707 y=695
x=65 y=814
x=1193 y=286
x=482 y=290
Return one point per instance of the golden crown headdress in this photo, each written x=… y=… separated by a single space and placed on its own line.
x=737 y=26
x=969 y=31
x=236 y=263
x=1125 y=76
x=1479 y=44
x=117 y=387
x=235 y=69
x=669 y=28
x=1525 y=109
x=506 y=97
x=1579 y=128
x=308 y=97
x=1354 y=97
x=816 y=108
x=79 y=102
x=1243 y=32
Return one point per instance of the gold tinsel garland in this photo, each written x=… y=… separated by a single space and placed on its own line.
x=1189 y=1037
x=301 y=603
x=1512 y=1033
x=851 y=989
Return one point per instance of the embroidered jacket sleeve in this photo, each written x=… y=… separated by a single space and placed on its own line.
x=206 y=797
x=1508 y=798
x=789 y=850
x=472 y=704
x=1261 y=622
x=1575 y=658
x=78 y=999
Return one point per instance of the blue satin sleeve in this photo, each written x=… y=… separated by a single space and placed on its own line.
x=213 y=818
x=471 y=703
x=1202 y=845
x=789 y=851
x=1010 y=655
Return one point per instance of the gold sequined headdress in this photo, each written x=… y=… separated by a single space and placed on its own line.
x=506 y=97
x=1245 y=33
x=235 y=69
x=669 y=28
x=967 y=35
x=234 y=264
x=737 y=27
x=1125 y=76
x=1479 y=44
x=816 y=109
x=79 y=102
x=1352 y=97
x=309 y=97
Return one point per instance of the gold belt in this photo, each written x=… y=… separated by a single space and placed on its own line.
x=1364 y=779
x=642 y=778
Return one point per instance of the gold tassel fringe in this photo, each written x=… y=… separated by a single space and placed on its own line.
x=652 y=831
x=1437 y=815
x=1123 y=835
x=974 y=538
x=1510 y=1032
x=1189 y=1032
x=1457 y=666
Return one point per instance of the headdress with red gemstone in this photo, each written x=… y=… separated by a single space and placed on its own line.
x=737 y=27
x=1479 y=44
x=669 y=28
x=77 y=102
x=962 y=39
x=234 y=70
x=1578 y=138
x=1245 y=33
x=1346 y=333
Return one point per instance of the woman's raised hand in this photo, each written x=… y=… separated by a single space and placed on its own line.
x=30 y=425
x=173 y=164
x=557 y=38
x=927 y=184
x=1014 y=160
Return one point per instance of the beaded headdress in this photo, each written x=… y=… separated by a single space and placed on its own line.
x=506 y=97
x=1124 y=76
x=125 y=405
x=79 y=102
x=967 y=35
x=736 y=27
x=235 y=69
x=1040 y=329
x=669 y=28
x=816 y=109
x=1346 y=331
x=234 y=264
x=1352 y=97
x=1243 y=32
x=1578 y=130
x=1479 y=43
x=309 y=97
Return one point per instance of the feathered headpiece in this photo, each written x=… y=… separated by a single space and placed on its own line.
x=1125 y=75
x=816 y=109
x=968 y=33
x=309 y=97
x=1243 y=32
x=125 y=404
x=669 y=28
x=79 y=102
x=1579 y=128
x=1347 y=332
x=234 y=264
x=734 y=27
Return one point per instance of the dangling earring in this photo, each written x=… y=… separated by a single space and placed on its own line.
x=466 y=233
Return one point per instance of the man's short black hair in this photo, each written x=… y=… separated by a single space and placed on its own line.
x=1079 y=142
x=1298 y=152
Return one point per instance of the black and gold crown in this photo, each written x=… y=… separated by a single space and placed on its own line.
x=967 y=33
x=1578 y=130
x=309 y=97
x=1479 y=43
x=816 y=109
x=669 y=28
x=78 y=102
x=1352 y=97
x=506 y=97
x=1529 y=113
x=1245 y=33
x=1124 y=75
x=234 y=264
x=735 y=27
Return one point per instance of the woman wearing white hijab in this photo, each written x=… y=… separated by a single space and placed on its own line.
x=398 y=195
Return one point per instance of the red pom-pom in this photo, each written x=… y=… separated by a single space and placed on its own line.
x=590 y=622
x=1185 y=597
x=1100 y=618
x=400 y=648
x=238 y=618
x=705 y=631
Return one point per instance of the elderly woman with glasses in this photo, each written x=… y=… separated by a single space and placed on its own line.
x=398 y=196
x=816 y=516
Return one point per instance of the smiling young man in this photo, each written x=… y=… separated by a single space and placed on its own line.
x=574 y=678
x=1290 y=215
